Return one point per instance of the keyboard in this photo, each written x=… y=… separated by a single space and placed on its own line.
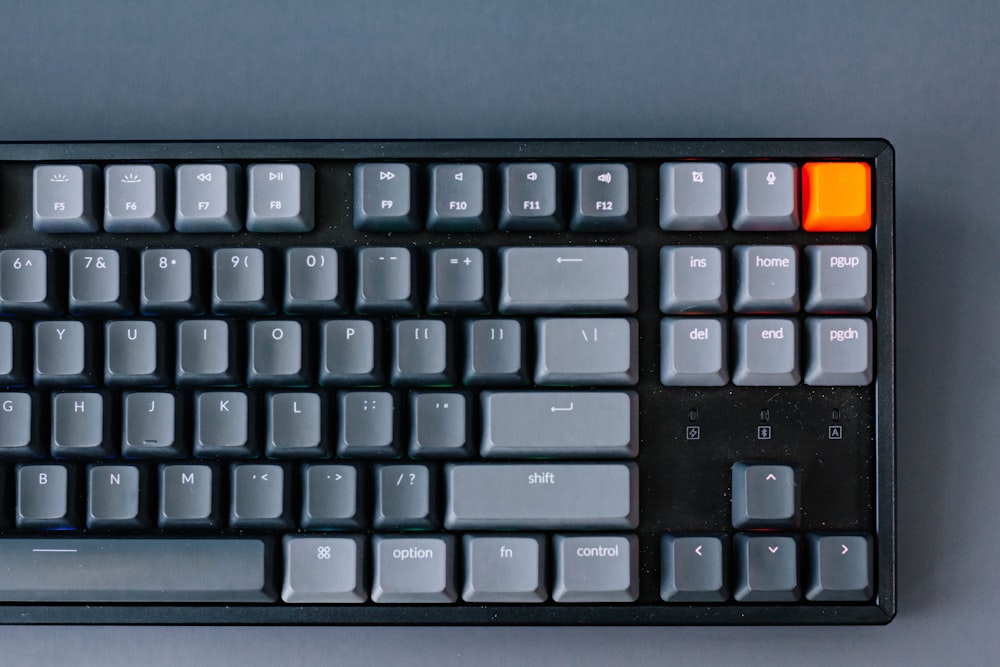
x=447 y=382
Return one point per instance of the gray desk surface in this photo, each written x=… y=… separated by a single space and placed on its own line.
x=925 y=75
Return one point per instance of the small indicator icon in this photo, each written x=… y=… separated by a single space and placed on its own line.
x=532 y=176
x=605 y=177
x=59 y=178
x=771 y=178
x=131 y=178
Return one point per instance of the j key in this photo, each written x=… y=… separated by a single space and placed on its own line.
x=368 y=425
x=25 y=285
x=411 y=569
x=458 y=201
x=134 y=354
x=222 y=424
x=767 y=279
x=384 y=198
x=331 y=497
x=692 y=280
x=324 y=569
x=95 y=283
x=440 y=425
x=692 y=196
x=560 y=424
x=585 y=496
x=313 y=281
x=188 y=497
x=241 y=282
x=693 y=569
x=841 y=568
x=767 y=568
x=496 y=352
x=567 y=280
x=260 y=497
x=421 y=353
x=19 y=423
x=504 y=569
x=63 y=200
x=281 y=197
x=347 y=353
x=80 y=426
x=605 y=198
x=405 y=497
x=530 y=199
x=295 y=426
x=206 y=198
x=152 y=426
x=43 y=493
x=693 y=352
x=458 y=283
x=113 y=497
x=766 y=352
x=587 y=351
x=596 y=568
x=767 y=196
x=63 y=354
x=206 y=353
x=169 y=283
x=840 y=351
x=134 y=199
x=385 y=281
x=765 y=496
x=12 y=357
x=840 y=279
x=277 y=354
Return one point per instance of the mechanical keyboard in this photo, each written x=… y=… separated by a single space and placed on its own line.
x=447 y=382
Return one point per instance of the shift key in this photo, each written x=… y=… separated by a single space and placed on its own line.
x=569 y=496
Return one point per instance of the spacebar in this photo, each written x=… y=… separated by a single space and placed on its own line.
x=135 y=570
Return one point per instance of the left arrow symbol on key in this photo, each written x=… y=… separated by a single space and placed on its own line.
x=697 y=549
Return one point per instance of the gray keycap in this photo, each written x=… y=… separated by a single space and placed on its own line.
x=841 y=568
x=561 y=424
x=580 y=496
x=188 y=497
x=765 y=496
x=440 y=425
x=206 y=198
x=693 y=352
x=18 y=426
x=692 y=569
x=295 y=426
x=767 y=196
x=368 y=424
x=43 y=493
x=587 y=351
x=152 y=426
x=169 y=283
x=692 y=279
x=281 y=197
x=259 y=497
x=385 y=281
x=241 y=282
x=421 y=353
x=414 y=569
x=504 y=569
x=134 y=199
x=347 y=353
x=840 y=279
x=840 y=351
x=596 y=568
x=766 y=351
x=604 y=198
x=568 y=279
x=63 y=199
x=331 y=497
x=495 y=353
x=221 y=424
x=692 y=196
x=113 y=497
x=136 y=570
x=79 y=426
x=313 y=281
x=458 y=283
x=530 y=197
x=384 y=198
x=767 y=568
x=62 y=354
x=205 y=353
x=458 y=201
x=24 y=283
x=405 y=497
x=277 y=354
x=9 y=361
x=95 y=283
x=133 y=354
x=324 y=569
x=767 y=279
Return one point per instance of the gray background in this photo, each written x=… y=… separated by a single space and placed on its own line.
x=924 y=75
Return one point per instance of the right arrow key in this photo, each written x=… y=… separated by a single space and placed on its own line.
x=841 y=568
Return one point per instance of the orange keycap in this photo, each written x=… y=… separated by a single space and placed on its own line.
x=837 y=197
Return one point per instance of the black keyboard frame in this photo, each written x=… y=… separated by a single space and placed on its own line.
x=865 y=502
